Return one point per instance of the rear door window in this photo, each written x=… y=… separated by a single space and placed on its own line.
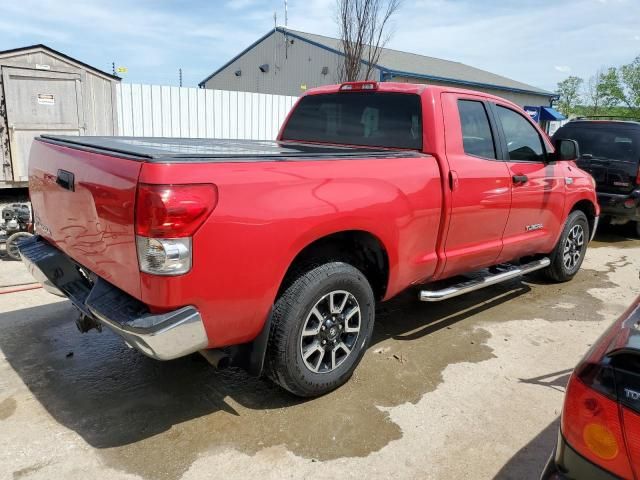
x=390 y=120
x=605 y=141
x=523 y=141
x=477 y=139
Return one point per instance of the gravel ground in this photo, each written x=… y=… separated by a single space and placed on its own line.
x=469 y=388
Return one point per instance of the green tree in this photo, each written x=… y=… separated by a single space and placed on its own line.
x=610 y=88
x=569 y=93
x=629 y=77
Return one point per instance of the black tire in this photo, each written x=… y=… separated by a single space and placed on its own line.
x=294 y=310
x=638 y=229
x=562 y=269
x=12 y=244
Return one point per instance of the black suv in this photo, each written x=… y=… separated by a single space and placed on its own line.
x=610 y=151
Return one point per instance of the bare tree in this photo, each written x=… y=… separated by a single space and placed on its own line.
x=593 y=92
x=363 y=34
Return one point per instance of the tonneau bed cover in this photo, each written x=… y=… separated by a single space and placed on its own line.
x=165 y=150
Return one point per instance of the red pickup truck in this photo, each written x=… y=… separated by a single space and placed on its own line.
x=274 y=254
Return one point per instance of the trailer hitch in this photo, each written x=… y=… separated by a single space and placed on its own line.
x=85 y=323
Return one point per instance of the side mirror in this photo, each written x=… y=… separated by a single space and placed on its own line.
x=566 y=150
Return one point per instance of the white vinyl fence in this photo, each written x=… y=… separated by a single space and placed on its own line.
x=163 y=111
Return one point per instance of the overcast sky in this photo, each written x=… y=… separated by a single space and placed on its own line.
x=534 y=41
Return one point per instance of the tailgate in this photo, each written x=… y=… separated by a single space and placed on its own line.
x=609 y=151
x=611 y=175
x=83 y=202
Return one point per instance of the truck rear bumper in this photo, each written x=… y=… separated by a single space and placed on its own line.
x=622 y=207
x=161 y=336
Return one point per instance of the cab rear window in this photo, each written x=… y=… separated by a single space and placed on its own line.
x=391 y=120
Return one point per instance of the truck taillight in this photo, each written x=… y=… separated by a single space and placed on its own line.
x=172 y=211
x=167 y=216
x=638 y=177
x=164 y=256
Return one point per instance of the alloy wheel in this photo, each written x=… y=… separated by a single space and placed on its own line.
x=573 y=247
x=330 y=331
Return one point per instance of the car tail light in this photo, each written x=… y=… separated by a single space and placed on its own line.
x=638 y=176
x=358 y=86
x=631 y=422
x=591 y=425
x=167 y=216
x=592 y=415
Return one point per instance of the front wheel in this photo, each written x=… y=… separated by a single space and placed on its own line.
x=321 y=326
x=569 y=253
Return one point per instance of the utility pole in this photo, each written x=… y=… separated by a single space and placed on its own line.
x=286 y=23
x=113 y=68
x=180 y=75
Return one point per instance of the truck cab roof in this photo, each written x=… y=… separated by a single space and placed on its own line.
x=408 y=88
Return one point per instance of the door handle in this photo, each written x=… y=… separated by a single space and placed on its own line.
x=66 y=180
x=453 y=180
x=520 y=179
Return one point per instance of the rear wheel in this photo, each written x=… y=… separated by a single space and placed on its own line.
x=569 y=253
x=321 y=326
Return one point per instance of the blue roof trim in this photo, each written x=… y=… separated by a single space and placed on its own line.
x=389 y=74
x=261 y=39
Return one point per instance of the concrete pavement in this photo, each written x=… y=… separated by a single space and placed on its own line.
x=469 y=388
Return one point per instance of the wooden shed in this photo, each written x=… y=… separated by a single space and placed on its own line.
x=45 y=91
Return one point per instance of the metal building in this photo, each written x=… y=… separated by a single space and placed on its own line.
x=287 y=62
x=45 y=91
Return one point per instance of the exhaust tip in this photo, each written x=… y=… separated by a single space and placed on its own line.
x=216 y=358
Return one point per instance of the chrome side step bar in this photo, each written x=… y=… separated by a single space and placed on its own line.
x=507 y=273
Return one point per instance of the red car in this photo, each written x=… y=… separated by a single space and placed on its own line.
x=278 y=251
x=599 y=436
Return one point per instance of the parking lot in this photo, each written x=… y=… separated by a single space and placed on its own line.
x=467 y=388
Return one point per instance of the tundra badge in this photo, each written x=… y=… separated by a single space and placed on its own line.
x=41 y=226
x=631 y=394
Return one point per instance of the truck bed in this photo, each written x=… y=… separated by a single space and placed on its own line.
x=179 y=150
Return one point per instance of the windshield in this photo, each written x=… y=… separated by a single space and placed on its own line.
x=605 y=141
x=391 y=120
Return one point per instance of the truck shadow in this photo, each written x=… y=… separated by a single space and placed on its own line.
x=135 y=408
x=530 y=460
x=614 y=234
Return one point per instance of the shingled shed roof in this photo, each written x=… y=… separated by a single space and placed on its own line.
x=41 y=47
x=404 y=64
